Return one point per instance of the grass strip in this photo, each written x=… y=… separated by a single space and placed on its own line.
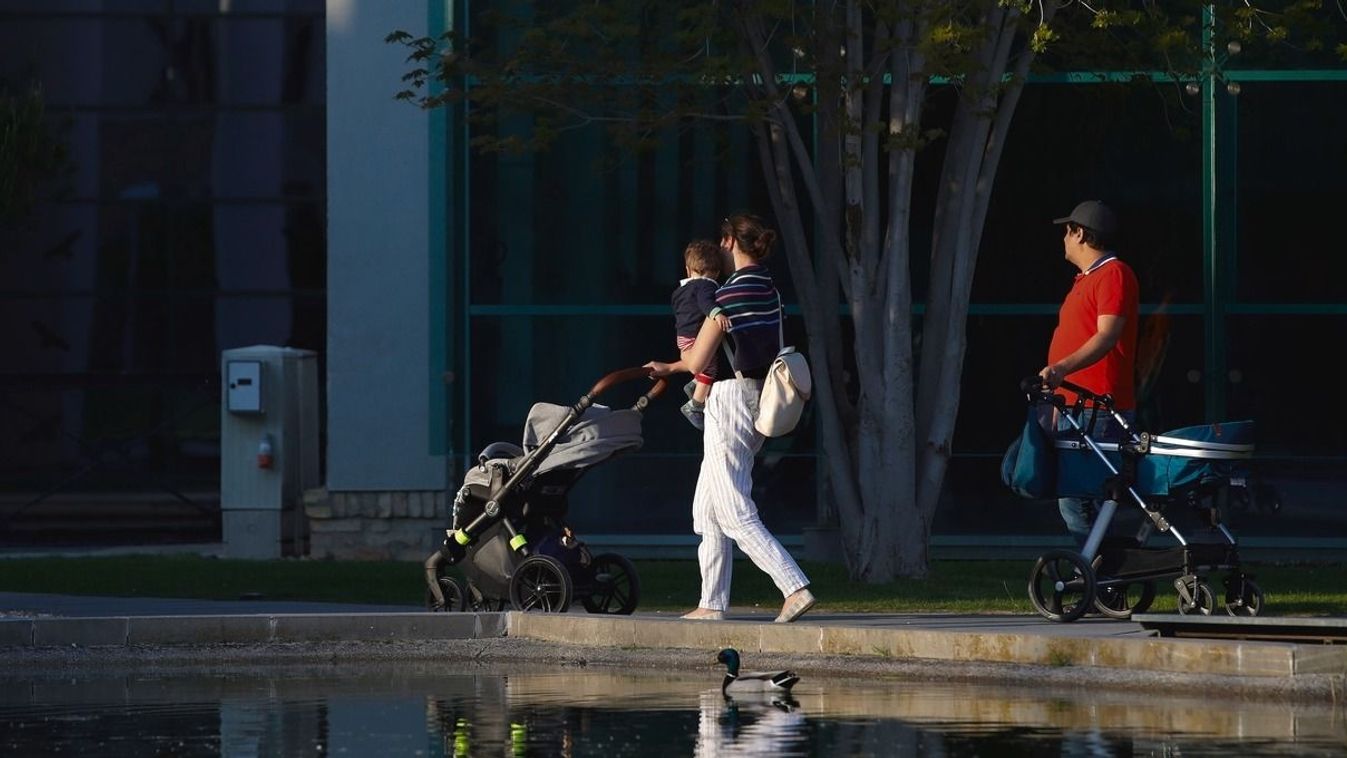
x=953 y=586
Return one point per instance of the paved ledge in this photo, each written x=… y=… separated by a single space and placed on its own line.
x=1098 y=645
x=1168 y=656
x=258 y=628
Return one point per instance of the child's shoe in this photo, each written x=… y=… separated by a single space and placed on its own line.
x=696 y=414
x=690 y=389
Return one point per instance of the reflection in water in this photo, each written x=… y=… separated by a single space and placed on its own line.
x=424 y=709
x=766 y=725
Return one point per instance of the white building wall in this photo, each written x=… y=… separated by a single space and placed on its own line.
x=379 y=247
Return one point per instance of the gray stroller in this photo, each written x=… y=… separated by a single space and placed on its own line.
x=508 y=532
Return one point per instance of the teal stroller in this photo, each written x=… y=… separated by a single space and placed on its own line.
x=1198 y=469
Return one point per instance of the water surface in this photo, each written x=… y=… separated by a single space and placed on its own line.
x=411 y=709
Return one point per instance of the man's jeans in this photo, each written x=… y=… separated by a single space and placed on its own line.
x=1079 y=513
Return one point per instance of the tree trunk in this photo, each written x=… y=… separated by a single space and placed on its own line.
x=885 y=455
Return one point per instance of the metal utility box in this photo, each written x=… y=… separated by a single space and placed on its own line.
x=268 y=449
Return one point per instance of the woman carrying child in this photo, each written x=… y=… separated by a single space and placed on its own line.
x=723 y=511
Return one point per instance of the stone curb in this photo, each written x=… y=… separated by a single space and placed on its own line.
x=1153 y=654
x=1130 y=654
x=205 y=630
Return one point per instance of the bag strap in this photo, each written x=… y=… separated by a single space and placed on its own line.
x=780 y=321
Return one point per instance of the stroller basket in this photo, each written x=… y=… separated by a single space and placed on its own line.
x=1177 y=460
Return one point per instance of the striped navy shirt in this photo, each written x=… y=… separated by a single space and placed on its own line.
x=749 y=299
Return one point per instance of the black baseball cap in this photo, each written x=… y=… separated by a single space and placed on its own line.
x=1093 y=215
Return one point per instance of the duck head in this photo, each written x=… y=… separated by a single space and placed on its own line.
x=730 y=657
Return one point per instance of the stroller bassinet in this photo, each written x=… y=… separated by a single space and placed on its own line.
x=508 y=531
x=1194 y=468
x=1176 y=462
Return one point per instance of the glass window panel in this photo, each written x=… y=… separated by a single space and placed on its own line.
x=228 y=155
x=114 y=332
x=247 y=154
x=251 y=248
x=113 y=61
x=1291 y=187
x=1136 y=150
x=154 y=247
x=1309 y=492
x=36 y=338
x=54 y=249
x=128 y=61
x=1294 y=415
x=268 y=61
x=147 y=157
x=64 y=54
x=974 y=501
x=290 y=319
x=104 y=432
x=537 y=217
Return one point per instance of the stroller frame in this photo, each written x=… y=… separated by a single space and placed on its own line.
x=1064 y=584
x=512 y=571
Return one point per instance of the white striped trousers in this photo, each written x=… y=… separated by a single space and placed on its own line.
x=723 y=512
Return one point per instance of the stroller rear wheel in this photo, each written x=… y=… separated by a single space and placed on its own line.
x=1242 y=597
x=541 y=583
x=615 y=588
x=1120 y=601
x=1061 y=586
x=455 y=597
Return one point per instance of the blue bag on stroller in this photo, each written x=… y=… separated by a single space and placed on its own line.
x=1029 y=466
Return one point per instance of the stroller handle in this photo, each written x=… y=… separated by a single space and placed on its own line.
x=1033 y=387
x=627 y=375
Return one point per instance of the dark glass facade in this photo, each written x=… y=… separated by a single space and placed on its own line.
x=192 y=222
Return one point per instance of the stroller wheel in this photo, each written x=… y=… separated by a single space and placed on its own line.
x=541 y=583
x=1195 y=596
x=1122 y=600
x=615 y=588
x=1061 y=586
x=455 y=598
x=1242 y=597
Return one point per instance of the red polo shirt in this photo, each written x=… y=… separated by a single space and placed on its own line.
x=1109 y=289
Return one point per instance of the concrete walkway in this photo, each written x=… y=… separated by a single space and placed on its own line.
x=43 y=621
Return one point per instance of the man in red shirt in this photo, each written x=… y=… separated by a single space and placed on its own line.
x=1094 y=344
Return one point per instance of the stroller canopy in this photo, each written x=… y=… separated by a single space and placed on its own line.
x=601 y=433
